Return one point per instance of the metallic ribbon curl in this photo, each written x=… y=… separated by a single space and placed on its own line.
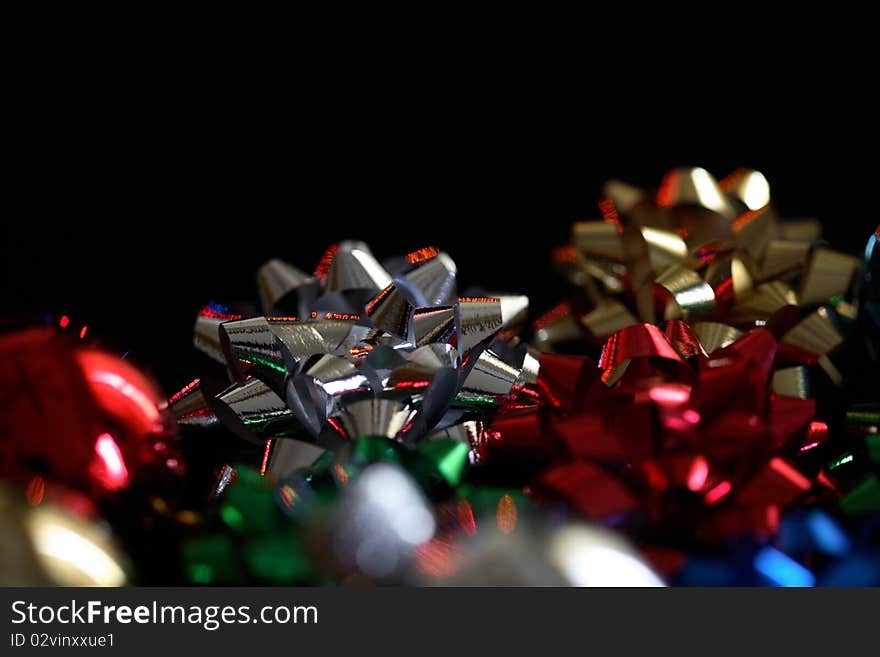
x=359 y=349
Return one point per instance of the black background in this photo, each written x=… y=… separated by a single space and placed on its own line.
x=137 y=194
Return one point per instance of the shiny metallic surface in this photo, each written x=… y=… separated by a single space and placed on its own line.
x=370 y=356
x=275 y=280
x=514 y=308
x=607 y=317
x=749 y=187
x=302 y=339
x=801 y=230
x=693 y=186
x=308 y=402
x=254 y=404
x=206 y=337
x=665 y=248
x=753 y=231
x=190 y=407
x=765 y=300
x=340 y=335
x=791 y=382
x=420 y=367
x=436 y=324
x=315 y=394
x=333 y=373
x=289 y=455
x=731 y=274
x=431 y=357
x=624 y=196
x=353 y=267
x=479 y=320
x=829 y=273
x=374 y=417
x=598 y=239
x=471 y=433
x=783 y=256
x=715 y=335
x=531 y=366
x=390 y=310
x=560 y=329
x=251 y=340
x=816 y=334
x=610 y=274
x=692 y=295
x=490 y=377
x=434 y=281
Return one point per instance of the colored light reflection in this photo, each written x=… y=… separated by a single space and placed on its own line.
x=65 y=320
x=790 y=474
x=717 y=492
x=340 y=474
x=698 y=474
x=114 y=474
x=841 y=461
x=828 y=535
x=669 y=394
x=437 y=557
x=781 y=569
x=265 y=464
x=506 y=514
x=36 y=490
x=118 y=383
x=465 y=514
x=422 y=254
x=289 y=496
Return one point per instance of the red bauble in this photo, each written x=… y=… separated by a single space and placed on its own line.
x=79 y=415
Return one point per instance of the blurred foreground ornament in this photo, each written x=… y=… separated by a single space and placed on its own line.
x=81 y=419
x=573 y=554
x=381 y=520
x=55 y=539
x=80 y=416
x=354 y=519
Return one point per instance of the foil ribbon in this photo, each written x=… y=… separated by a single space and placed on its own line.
x=359 y=349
